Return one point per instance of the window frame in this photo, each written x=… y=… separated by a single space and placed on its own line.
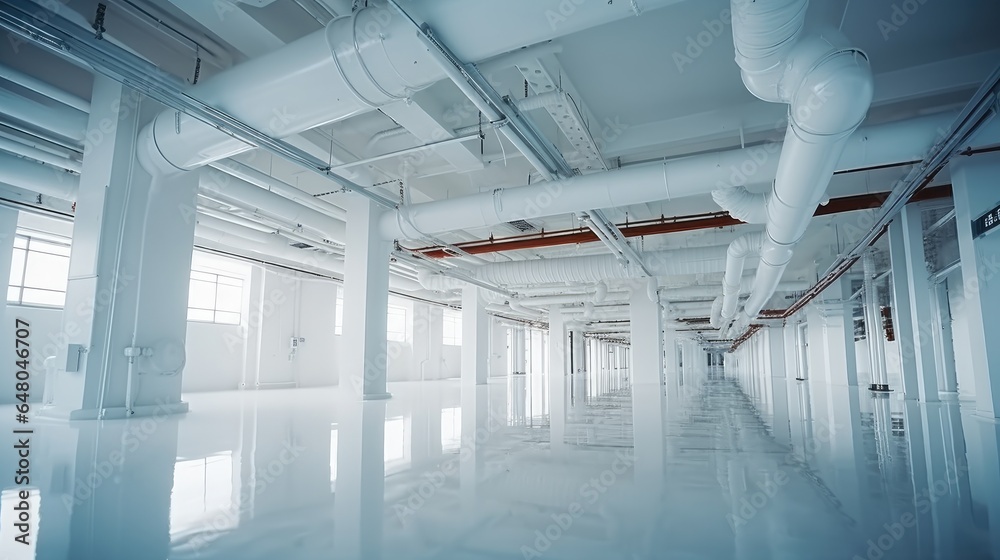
x=455 y=318
x=231 y=281
x=30 y=236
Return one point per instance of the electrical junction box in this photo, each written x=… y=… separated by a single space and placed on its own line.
x=74 y=353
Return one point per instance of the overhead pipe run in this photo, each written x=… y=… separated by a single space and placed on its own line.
x=881 y=144
x=828 y=86
x=215 y=183
x=326 y=76
x=740 y=249
x=267 y=182
x=44 y=88
x=39 y=178
x=742 y=204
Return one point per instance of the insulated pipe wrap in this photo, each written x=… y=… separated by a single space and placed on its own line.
x=355 y=64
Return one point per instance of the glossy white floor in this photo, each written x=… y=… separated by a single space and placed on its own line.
x=701 y=471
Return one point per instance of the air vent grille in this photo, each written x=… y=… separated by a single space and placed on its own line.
x=523 y=226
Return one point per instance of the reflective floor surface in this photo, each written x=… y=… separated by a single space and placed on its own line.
x=700 y=470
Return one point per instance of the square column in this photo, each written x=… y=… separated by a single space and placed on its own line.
x=777 y=354
x=831 y=323
x=647 y=348
x=916 y=337
x=974 y=180
x=129 y=274
x=558 y=367
x=366 y=302
x=901 y=311
x=475 y=336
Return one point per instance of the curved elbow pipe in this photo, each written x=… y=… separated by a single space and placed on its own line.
x=742 y=204
x=715 y=317
x=828 y=86
x=742 y=247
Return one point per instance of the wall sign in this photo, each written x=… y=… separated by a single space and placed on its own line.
x=986 y=222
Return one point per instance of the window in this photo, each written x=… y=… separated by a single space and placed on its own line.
x=215 y=298
x=338 y=326
x=396 y=324
x=452 y=327
x=334 y=442
x=39 y=270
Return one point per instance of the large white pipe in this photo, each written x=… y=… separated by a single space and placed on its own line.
x=39 y=178
x=60 y=120
x=596 y=268
x=355 y=64
x=215 y=182
x=742 y=204
x=44 y=88
x=744 y=246
x=265 y=181
x=828 y=86
x=15 y=147
x=247 y=240
x=881 y=144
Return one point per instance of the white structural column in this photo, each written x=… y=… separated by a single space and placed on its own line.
x=901 y=314
x=974 y=181
x=831 y=322
x=366 y=302
x=919 y=340
x=518 y=355
x=647 y=349
x=128 y=275
x=558 y=367
x=777 y=346
x=475 y=336
x=578 y=378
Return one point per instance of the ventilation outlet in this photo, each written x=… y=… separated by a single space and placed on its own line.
x=523 y=226
x=302 y=245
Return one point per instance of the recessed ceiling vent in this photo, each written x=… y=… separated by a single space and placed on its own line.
x=302 y=245
x=523 y=226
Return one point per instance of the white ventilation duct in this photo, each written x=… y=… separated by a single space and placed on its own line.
x=882 y=144
x=326 y=76
x=266 y=182
x=216 y=184
x=60 y=120
x=828 y=87
x=715 y=317
x=742 y=204
x=596 y=268
x=44 y=88
x=38 y=178
x=232 y=236
x=744 y=246
x=37 y=154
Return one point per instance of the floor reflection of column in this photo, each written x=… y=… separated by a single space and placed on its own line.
x=359 y=502
x=122 y=477
x=476 y=432
x=983 y=435
x=648 y=416
x=916 y=446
